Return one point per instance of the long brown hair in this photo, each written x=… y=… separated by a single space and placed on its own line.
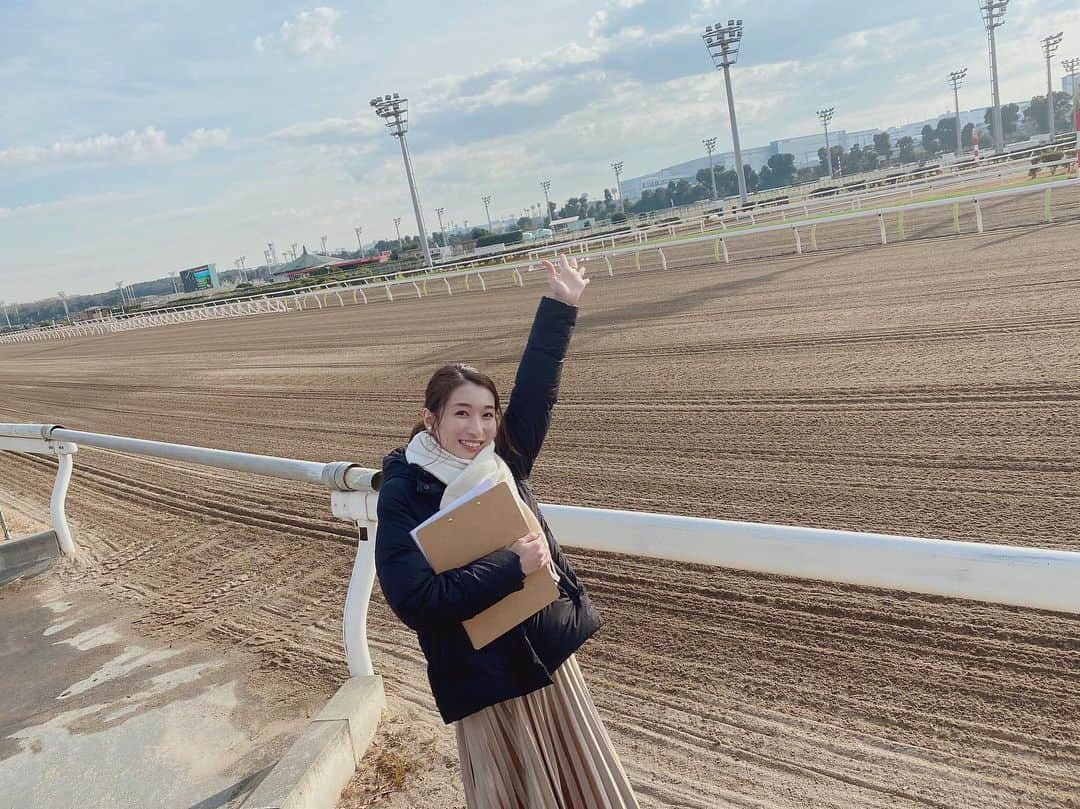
x=448 y=379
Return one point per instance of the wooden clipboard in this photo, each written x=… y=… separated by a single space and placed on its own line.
x=471 y=528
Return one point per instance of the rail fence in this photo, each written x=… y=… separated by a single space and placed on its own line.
x=416 y=281
x=1025 y=577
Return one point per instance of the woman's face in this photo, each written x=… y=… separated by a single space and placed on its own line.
x=467 y=423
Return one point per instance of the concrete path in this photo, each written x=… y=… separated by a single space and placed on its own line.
x=93 y=715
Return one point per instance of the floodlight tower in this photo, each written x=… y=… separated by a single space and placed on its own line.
x=7 y=320
x=397 y=227
x=993 y=14
x=722 y=42
x=1072 y=67
x=710 y=147
x=323 y=240
x=123 y=298
x=273 y=253
x=486 y=199
x=395 y=111
x=63 y=300
x=266 y=257
x=442 y=228
x=956 y=78
x=826 y=115
x=546 y=185
x=617 y=168
x=1050 y=46
x=359 y=241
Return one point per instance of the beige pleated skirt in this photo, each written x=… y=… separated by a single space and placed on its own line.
x=545 y=750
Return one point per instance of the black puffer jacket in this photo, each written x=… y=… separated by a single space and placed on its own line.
x=463 y=679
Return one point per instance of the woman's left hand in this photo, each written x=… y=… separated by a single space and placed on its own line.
x=565 y=280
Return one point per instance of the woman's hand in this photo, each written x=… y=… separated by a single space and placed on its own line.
x=532 y=550
x=565 y=280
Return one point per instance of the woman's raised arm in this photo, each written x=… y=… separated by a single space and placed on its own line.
x=536 y=386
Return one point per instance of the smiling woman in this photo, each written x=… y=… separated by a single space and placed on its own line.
x=527 y=731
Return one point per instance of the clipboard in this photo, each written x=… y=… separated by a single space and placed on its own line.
x=483 y=520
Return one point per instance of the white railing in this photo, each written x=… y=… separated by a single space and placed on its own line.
x=1004 y=574
x=352 y=496
x=319 y=296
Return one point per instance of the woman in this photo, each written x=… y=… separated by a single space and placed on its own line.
x=528 y=734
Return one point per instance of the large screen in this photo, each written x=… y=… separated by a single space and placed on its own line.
x=202 y=279
x=199 y=278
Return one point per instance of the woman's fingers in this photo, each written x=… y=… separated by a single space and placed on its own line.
x=551 y=270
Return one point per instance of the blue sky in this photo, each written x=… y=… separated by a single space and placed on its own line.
x=141 y=138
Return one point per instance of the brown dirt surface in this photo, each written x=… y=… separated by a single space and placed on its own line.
x=927 y=388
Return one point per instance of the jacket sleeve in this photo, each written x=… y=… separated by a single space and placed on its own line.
x=419 y=596
x=536 y=386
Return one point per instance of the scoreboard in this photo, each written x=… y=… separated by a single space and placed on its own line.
x=199 y=278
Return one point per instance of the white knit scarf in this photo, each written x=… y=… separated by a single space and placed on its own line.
x=461 y=475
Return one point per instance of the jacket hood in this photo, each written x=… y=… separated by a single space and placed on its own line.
x=394 y=465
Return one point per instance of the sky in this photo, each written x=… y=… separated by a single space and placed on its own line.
x=138 y=138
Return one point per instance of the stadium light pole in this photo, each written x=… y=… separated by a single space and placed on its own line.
x=710 y=146
x=273 y=252
x=7 y=320
x=266 y=257
x=722 y=42
x=442 y=228
x=397 y=227
x=323 y=240
x=1050 y=46
x=993 y=14
x=486 y=199
x=1072 y=67
x=617 y=168
x=546 y=185
x=395 y=111
x=826 y=115
x=359 y=241
x=956 y=78
x=123 y=299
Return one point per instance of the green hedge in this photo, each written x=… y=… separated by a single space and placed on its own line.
x=510 y=237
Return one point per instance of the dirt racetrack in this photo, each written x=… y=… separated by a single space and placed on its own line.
x=927 y=388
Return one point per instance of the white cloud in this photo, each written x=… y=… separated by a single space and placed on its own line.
x=330 y=130
x=148 y=145
x=92 y=201
x=310 y=34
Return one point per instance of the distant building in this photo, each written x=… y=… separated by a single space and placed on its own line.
x=914 y=130
x=307 y=263
x=304 y=265
x=91 y=313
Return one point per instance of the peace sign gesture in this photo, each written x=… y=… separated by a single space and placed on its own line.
x=565 y=281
